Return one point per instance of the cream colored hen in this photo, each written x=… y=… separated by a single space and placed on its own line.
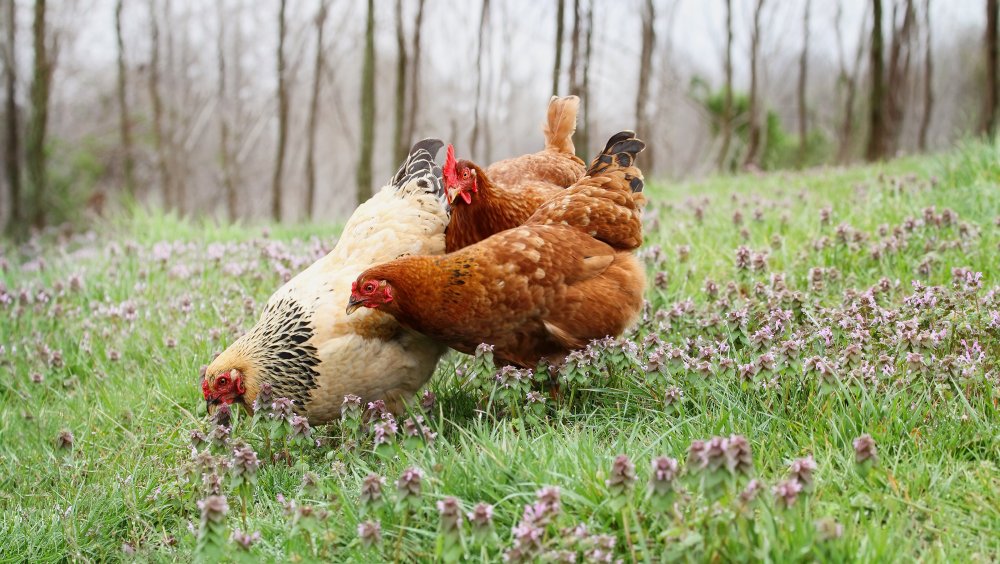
x=306 y=346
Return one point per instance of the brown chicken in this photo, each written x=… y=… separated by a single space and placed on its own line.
x=538 y=291
x=503 y=196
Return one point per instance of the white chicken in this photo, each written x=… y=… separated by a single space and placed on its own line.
x=308 y=348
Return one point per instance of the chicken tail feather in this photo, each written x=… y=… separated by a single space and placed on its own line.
x=419 y=173
x=620 y=152
x=561 y=124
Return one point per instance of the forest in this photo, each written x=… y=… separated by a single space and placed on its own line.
x=296 y=110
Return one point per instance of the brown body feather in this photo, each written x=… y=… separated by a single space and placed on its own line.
x=512 y=189
x=537 y=291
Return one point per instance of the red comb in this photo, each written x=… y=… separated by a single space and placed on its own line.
x=450 y=172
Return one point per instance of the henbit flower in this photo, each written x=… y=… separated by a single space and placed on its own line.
x=801 y=470
x=409 y=484
x=370 y=533
x=450 y=512
x=213 y=508
x=64 y=440
x=665 y=470
x=623 y=476
x=300 y=428
x=198 y=438
x=427 y=401
x=481 y=516
x=265 y=397
x=527 y=543
x=750 y=492
x=371 y=490
x=244 y=540
x=282 y=408
x=245 y=462
x=739 y=457
x=787 y=492
x=384 y=432
x=219 y=436
x=864 y=449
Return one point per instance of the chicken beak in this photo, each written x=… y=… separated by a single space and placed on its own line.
x=453 y=193
x=353 y=305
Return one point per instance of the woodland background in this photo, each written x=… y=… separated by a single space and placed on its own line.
x=290 y=111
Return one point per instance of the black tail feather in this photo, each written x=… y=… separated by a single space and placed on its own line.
x=621 y=151
x=420 y=168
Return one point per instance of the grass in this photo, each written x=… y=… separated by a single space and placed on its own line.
x=102 y=335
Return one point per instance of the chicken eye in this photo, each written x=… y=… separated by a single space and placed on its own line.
x=369 y=287
x=222 y=381
x=465 y=173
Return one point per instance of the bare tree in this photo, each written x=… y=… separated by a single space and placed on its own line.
x=849 y=81
x=727 y=104
x=803 y=81
x=876 y=131
x=156 y=98
x=574 y=57
x=400 y=145
x=318 y=64
x=642 y=114
x=582 y=135
x=12 y=155
x=754 y=141
x=560 y=16
x=899 y=73
x=483 y=18
x=364 y=173
x=992 y=41
x=411 y=118
x=279 y=159
x=123 y=116
x=35 y=156
x=925 y=120
x=225 y=149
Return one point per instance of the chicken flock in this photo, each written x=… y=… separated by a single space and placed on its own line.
x=532 y=255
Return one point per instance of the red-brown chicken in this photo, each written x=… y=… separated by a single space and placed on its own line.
x=564 y=278
x=503 y=196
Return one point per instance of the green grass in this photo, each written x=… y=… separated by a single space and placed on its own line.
x=118 y=355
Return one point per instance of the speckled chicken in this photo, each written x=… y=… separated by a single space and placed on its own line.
x=538 y=291
x=305 y=345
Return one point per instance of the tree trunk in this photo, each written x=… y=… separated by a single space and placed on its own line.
x=642 y=114
x=318 y=64
x=727 y=108
x=574 y=57
x=992 y=60
x=803 y=76
x=876 y=132
x=898 y=75
x=159 y=137
x=850 y=80
x=12 y=154
x=483 y=18
x=582 y=136
x=123 y=119
x=925 y=120
x=411 y=118
x=400 y=144
x=225 y=154
x=364 y=173
x=753 y=145
x=560 y=16
x=279 y=159
x=35 y=150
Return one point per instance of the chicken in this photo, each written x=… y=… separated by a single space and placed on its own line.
x=304 y=344
x=503 y=196
x=538 y=291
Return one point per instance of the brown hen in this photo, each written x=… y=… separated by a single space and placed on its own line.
x=506 y=193
x=539 y=291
